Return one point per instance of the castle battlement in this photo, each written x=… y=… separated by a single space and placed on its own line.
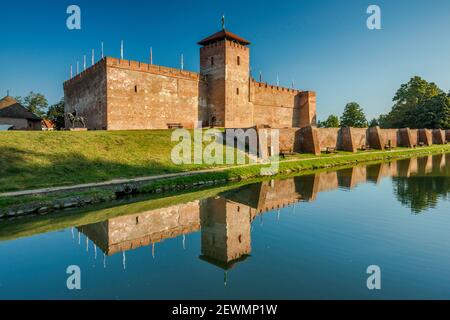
x=222 y=43
x=90 y=70
x=137 y=66
x=274 y=88
x=120 y=94
x=152 y=68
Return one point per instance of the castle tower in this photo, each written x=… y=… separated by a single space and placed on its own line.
x=226 y=236
x=225 y=61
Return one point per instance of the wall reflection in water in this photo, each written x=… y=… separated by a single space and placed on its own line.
x=225 y=221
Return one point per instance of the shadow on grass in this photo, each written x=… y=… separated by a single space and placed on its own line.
x=22 y=169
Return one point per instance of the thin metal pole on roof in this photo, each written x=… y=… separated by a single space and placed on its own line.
x=151 y=55
x=182 y=62
x=93 y=57
x=78 y=67
x=121 y=49
x=292 y=83
x=84 y=62
x=71 y=71
x=278 y=80
x=103 y=51
x=260 y=76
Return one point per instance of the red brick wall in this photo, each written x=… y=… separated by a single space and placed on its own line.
x=328 y=137
x=425 y=136
x=389 y=134
x=415 y=136
x=281 y=107
x=438 y=136
x=309 y=140
x=353 y=139
x=142 y=96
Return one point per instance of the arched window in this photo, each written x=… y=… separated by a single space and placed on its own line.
x=238 y=60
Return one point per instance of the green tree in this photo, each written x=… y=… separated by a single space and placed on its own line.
x=434 y=113
x=374 y=122
x=331 y=122
x=383 y=121
x=35 y=103
x=55 y=113
x=353 y=116
x=408 y=99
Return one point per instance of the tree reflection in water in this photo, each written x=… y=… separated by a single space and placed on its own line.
x=424 y=187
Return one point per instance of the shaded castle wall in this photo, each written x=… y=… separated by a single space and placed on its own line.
x=86 y=94
x=309 y=140
x=405 y=138
x=212 y=66
x=438 y=136
x=143 y=96
x=425 y=136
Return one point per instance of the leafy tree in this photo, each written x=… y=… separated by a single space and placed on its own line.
x=331 y=122
x=408 y=99
x=374 y=122
x=55 y=113
x=433 y=113
x=383 y=121
x=353 y=116
x=35 y=103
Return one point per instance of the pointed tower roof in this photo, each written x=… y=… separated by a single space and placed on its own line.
x=11 y=108
x=221 y=35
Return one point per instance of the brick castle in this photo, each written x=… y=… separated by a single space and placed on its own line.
x=117 y=94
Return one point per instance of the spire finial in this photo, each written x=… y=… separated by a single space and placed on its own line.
x=223 y=22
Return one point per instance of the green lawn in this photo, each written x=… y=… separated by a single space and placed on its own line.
x=41 y=159
x=35 y=159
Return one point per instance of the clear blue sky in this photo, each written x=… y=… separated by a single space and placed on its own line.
x=323 y=45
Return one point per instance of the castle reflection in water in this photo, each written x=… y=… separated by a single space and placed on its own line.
x=225 y=221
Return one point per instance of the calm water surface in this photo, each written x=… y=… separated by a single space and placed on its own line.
x=308 y=237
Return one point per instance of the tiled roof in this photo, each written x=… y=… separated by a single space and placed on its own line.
x=10 y=108
x=48 y=123
x=221 y=35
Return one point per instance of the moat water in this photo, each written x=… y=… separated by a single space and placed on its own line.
x=307 y=237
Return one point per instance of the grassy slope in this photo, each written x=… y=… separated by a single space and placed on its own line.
x=42 y=159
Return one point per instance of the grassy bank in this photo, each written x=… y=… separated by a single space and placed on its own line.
x=291 y=166
x=33 y=159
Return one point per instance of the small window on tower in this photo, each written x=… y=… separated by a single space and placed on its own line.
x=238 y=61
x=237 y=91
x=212 y=61
x=135 y=89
